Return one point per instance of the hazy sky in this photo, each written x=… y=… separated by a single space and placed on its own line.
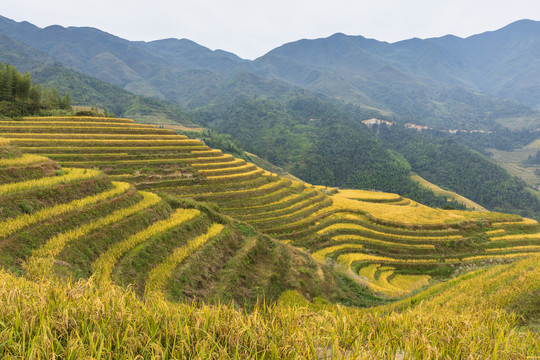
x=250 y=28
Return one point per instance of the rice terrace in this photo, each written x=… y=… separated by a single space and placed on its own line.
x=121 y=240
x=330 y=197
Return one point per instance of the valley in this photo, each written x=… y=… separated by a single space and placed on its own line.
x=162 y=200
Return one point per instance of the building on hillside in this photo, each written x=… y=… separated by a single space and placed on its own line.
x=375 y=121
x=417 y=127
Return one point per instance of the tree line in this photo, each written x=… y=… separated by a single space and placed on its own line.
x=19 y=96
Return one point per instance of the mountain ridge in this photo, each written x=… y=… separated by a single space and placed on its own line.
x=398 y=77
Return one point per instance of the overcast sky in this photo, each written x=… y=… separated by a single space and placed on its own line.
x=250 y=28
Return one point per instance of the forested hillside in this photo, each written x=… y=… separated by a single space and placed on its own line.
x=324 y=143
x=444 y=161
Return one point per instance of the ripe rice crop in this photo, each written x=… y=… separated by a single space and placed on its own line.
x=213 y=159
x=366 y=221
x=517 y=221
x=74 y=124
x=449 y=194
x=382 y=281
x=515 y=248
x=369 y=196
x=408 y=283
x=252 y=194
x=494 y=232
x=501 y=256
x=109 y=322
x=25 y=159
x=215 y=165
x=285 y=210
x=389 y=283
x=4 y=141
x=29 y=130
x=415 y=213
x=104 y=264
x=9 y=226
x=246 y=175
x=369 y=271
x=227 y=171
x=94 y=136
x=348 y=259
x=78 y=118
x=284 y=200
x=309 y=209
x=81 y=155
x=41 y=261
x=368 y=275
x=382 y=242
x=209 y=152
x=321 y=254
x=159 y=275
x=345 y=226
x=515 y=237
x=105 y=142
x=122 y=162
x=89 y=149
x=69 y=176
x=282 y=203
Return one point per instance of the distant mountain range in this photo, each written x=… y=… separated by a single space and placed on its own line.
x=446 y=82
x=503 y=63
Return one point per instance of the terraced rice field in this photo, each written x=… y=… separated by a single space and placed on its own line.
x=76 y=222
x=73 y=233
x=405 y=242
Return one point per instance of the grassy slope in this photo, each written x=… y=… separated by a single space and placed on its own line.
x=512 y=161
x=450 y=194
x=70 y=243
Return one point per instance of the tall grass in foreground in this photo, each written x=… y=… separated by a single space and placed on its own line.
x=49 y=320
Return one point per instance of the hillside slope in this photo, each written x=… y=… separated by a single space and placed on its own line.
x=392 y=244
x=73 y=223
